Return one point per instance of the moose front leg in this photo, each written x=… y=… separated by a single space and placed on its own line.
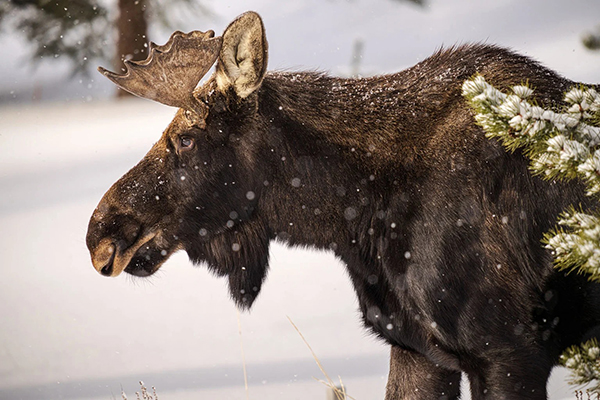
x=414 y=377
x=510 y=382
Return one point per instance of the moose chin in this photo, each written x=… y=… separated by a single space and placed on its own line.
x=378 y=170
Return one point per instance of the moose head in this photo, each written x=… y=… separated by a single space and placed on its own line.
x=198 y=186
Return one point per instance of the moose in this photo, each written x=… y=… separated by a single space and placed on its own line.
x=439 y=227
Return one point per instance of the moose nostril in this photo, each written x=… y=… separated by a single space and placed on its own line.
x=103 y=256
x=107 y=270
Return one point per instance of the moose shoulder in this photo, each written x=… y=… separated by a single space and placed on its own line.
x=439 y=227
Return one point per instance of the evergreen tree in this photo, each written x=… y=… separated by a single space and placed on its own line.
x=562 y=144
x=76 y=29
x=84 y=30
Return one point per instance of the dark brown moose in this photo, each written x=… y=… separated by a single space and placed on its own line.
x=439 y=227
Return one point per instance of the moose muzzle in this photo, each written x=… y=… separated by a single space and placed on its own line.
x=110 y=258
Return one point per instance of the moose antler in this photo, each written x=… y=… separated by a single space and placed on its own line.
x=171 y=72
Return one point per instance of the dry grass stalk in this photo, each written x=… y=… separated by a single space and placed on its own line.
x=144 y=393
x=243 y=355
x=579 y=395
x=340 y=392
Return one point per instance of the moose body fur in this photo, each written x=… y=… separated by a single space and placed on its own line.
x=440 y=228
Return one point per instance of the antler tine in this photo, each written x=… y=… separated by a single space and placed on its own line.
x=171 y=72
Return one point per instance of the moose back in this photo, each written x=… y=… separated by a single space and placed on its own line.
x=439 y=227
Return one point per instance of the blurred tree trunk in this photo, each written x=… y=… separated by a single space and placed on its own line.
x=132 y=28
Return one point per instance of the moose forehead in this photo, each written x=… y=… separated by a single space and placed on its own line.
x=186 y=120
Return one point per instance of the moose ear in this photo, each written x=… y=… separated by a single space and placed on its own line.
x=243 y=59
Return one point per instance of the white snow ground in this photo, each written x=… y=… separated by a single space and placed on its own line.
x=68 y=333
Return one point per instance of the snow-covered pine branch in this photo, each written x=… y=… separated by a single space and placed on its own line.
x=584 y=363
x=521 y=123
x=562 y=144
x=575 y=244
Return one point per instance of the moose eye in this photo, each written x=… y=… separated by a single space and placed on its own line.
x=186 y=143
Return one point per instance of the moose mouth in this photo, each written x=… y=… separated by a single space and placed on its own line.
x=148 y=258
x=142 y=258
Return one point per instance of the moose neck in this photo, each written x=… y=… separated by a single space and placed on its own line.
x=371 y=120
x=332 y=147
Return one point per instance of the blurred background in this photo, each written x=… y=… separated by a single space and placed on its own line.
x=66 y=135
